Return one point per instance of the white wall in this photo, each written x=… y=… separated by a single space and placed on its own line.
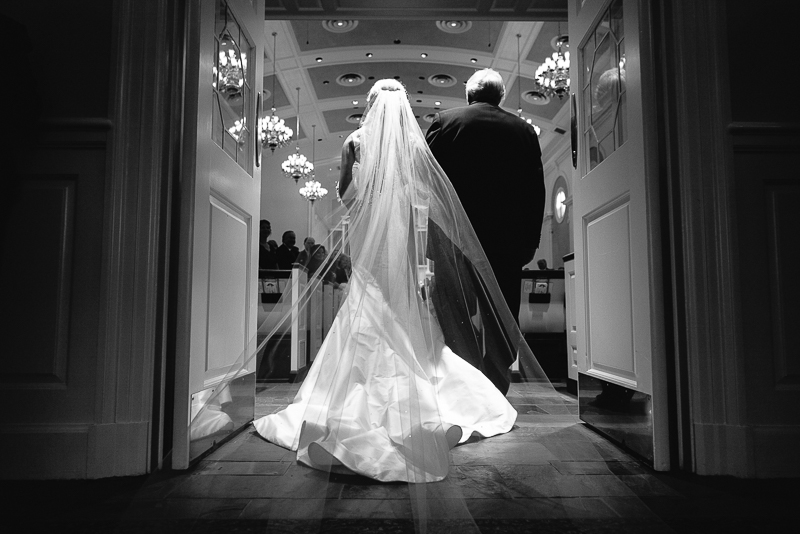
x=559 y=163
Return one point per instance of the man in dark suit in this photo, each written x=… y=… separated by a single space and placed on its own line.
x=493 y=159
x=267 y=258
x=287 y=252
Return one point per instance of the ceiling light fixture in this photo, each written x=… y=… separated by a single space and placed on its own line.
x=552 y=76
x=313 y=190
x=272 y=131
x=369 y=54
x=423 y=55
x=297 y=165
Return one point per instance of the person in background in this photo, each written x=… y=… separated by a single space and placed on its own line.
x=318 y=266
x=287 y=253
x=343 y=269
x=267 y=258
x=542 y=264
x=308 y=244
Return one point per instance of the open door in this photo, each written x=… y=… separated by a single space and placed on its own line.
x=619 y=307
x=220 y=202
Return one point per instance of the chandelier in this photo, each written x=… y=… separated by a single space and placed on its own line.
x=552 y=76
x=272 y=131
x=231 y=72
x=297 y=165
x=313 y=190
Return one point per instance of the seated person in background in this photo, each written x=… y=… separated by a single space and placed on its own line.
x=542 y=264
x=308 y=244
x=343 y=269
x=267 y=258
x=317 y=266
x=287 y=252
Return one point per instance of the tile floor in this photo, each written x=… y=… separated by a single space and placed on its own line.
x=550 y=474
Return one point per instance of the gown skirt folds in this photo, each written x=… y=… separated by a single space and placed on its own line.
x=380 y=401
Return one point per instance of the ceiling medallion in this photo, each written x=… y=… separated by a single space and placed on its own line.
x=351 y=79
x=441 y=80
x=537 y=98
x=339 y=26
x=355 y=118
x=454 y=26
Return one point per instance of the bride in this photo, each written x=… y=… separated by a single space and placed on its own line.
x=385 y=397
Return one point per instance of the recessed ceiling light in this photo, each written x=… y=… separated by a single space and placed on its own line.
x=319 y=60
x=397 y=41
x=355 y=102
x=474 y=60
x=453 y=24
x=339 y=23
x=423 y=55
x=369 y=54
x=437 y=103
x=325 y=82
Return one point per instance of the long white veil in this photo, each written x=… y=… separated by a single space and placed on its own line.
x=417 y=269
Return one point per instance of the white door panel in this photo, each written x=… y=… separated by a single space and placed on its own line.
x=609 y=324
x=617 y=254
x=220 y=226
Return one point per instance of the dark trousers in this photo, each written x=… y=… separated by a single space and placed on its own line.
x=458 y=294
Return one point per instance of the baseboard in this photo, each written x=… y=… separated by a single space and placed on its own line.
x=775 y=451
x=764 y=451
x=44 y=452
x=721 y=450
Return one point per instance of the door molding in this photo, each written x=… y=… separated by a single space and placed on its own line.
x=708 y=354
x=136 y=241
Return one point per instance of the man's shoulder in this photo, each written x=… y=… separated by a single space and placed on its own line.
x=449 y=114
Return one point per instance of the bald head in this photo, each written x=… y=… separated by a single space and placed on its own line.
x=486 y=86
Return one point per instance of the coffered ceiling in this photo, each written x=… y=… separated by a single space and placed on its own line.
x=334 y=61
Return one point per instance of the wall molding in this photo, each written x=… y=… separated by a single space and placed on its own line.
x=134 y=245
x=709 y=360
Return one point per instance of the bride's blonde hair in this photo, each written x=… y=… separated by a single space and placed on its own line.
x=387 y=84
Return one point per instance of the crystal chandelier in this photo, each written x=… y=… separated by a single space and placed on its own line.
x=313 y=190
x=272 y=131
x=231 y=72
x=553 y=75
x=297 y=165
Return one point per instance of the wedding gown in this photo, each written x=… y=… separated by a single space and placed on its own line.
x=385 y=397
x=366 y=374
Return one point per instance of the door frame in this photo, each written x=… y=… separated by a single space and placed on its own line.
x=690 y=243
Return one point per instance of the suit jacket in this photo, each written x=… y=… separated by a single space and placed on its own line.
x=286 y=256
x=493 y=159
x=494 y=162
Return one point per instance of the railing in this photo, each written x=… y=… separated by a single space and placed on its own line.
x=300 y=335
